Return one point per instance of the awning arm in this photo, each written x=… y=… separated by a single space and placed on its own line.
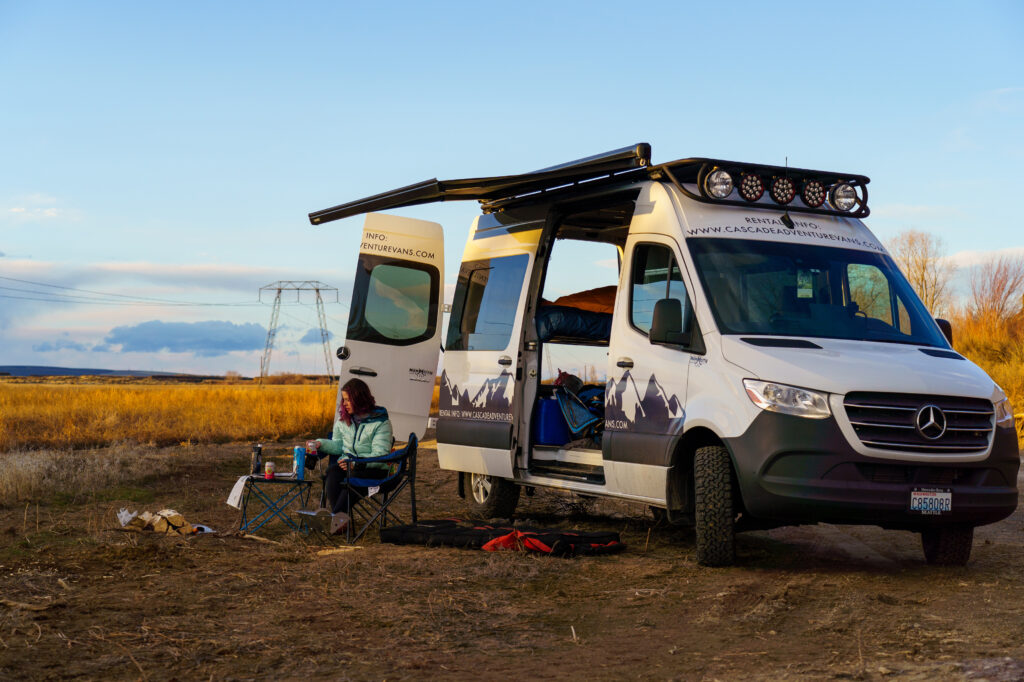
x=490 y=189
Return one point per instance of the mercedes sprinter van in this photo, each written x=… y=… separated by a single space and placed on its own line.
x=753 y=359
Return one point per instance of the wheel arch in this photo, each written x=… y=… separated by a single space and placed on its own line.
x=679 y=493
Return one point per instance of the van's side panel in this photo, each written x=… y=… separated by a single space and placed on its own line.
x=646 y=393
x=476 y=404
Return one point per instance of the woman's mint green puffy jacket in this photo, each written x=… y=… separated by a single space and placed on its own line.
x=367 y=437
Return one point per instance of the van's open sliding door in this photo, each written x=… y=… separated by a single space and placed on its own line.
x=478 y=402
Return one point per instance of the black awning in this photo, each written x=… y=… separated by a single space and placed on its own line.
x=490 y=189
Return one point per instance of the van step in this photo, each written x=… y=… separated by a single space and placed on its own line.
x=568 y=470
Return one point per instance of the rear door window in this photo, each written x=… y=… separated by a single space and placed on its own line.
x=393 y=302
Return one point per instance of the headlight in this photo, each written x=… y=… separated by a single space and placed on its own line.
x=1004 y=413
x=719 y=184
x=800 y=402
x=843 y=197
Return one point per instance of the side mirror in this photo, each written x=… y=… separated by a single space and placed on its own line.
x=667 y=323
x=947 y=329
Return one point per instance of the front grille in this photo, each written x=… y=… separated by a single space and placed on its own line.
x=887 y=421
x=898 y=474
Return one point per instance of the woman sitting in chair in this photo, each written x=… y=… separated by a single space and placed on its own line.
x=362 y=429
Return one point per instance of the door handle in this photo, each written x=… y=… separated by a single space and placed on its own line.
x=505 y=361
x=363 y=371
x=625 y=363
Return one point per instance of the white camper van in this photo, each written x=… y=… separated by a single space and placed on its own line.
x=756 y=358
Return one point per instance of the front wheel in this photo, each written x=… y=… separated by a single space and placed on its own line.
x=713 y=501
x=947 y=546
x=491 y=497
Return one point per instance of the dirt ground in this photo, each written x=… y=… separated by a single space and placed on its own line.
x=80 y=598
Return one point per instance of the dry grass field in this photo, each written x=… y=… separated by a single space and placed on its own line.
x=82 y=599
x=50 y=415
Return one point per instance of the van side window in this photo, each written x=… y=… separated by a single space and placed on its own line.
x=485 y=303
x=394 y=302
x=655 y=276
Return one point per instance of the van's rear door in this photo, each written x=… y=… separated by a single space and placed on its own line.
x=394 y=325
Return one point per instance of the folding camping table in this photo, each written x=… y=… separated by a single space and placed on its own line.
x=260 y=493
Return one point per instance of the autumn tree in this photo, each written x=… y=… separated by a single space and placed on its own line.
x=922 y=258
x=997 y=288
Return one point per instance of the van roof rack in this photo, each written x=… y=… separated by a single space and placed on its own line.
x=625 y=165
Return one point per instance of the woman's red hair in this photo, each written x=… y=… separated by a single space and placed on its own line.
x=361 y=398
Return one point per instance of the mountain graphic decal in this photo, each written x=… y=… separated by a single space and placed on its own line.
x=651 y=411
x=491 y=401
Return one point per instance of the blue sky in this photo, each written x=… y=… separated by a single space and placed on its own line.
x=173 y=151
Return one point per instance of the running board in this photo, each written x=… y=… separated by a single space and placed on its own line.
x=578 y=486
x=572 y=471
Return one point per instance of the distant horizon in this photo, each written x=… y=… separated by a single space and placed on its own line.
x=24 y=370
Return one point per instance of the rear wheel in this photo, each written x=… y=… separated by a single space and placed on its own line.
x=713 y=495
x=947 y=546
x=491 y=497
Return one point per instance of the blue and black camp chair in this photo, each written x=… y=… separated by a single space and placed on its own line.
x=377 y=507
x=580 y=416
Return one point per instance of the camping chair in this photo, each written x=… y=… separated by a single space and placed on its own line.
x=579 y=417
x=376 y=507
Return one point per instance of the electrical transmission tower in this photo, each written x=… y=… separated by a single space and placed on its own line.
x=298 y=288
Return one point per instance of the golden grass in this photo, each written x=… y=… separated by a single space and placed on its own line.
x=997 y=346
x=34 y=416
x=36 y=475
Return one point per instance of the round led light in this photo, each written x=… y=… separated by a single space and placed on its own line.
x=813 y=193
x=844 y=196
x=718 y=184
x=783 y=190
x=751 y=187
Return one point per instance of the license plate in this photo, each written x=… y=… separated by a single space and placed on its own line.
x=931 y=501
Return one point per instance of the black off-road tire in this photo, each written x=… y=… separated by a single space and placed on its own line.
x=490 y=497
x=713 y=497
x=947 y=546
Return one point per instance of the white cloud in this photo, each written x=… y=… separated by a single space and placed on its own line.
x=969 y=259
x=32 y=207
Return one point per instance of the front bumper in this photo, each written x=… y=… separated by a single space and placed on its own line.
x=793 y=470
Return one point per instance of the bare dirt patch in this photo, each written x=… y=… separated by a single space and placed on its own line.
x=81 y=599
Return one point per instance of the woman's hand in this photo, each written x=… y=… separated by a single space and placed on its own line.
x=344 y=464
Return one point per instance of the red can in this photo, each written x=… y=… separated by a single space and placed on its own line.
x=268 y=471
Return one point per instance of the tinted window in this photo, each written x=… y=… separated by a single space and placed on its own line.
x=485 y=303
x=393 y=302
x=656 y=275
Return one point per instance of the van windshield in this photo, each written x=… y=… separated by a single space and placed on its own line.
x=760 y=287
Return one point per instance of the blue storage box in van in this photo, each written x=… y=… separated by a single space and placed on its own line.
x=549 y=427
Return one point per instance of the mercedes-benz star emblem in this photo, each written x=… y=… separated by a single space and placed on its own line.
x=931 y=422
